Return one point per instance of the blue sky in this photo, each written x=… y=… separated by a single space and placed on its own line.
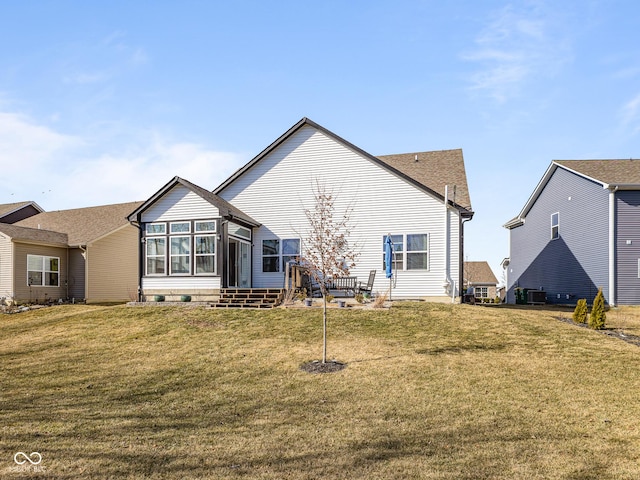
x=104 y=102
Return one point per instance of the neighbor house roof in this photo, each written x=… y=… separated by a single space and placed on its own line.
x=34 y=235
x=226 y=209
x=83 y=225
x=618 y=173
x=435 y=169
x=7 y=209
x=479 y=273
x=611 y=174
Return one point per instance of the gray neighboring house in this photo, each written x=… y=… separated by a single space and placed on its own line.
x=578 y=232
x=14 y=212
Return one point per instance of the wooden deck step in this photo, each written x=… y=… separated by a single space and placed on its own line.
x=249 y=298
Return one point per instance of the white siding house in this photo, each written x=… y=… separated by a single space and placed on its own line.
x=421 y=199
x=276 y=186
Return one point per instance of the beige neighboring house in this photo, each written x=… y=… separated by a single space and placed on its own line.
x=88 y=254
x=480 y=276
x=14 y=212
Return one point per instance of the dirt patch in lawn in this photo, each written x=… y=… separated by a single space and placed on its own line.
x=318 y=367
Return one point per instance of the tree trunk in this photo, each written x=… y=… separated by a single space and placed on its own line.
x=324 y=329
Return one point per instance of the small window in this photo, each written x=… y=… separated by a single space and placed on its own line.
x=156 y=228
x=205 y=226
x=271 y=255
x=555 y=226
x=43 y=271
x=481 y=292
x=290 y=251
x=239 y=231
x=180 y=227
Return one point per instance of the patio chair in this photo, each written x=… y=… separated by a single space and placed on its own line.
x=368 y=286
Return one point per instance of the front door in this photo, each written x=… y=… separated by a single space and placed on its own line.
x=239 y=263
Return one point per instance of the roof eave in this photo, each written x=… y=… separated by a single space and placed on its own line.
x=306 y=121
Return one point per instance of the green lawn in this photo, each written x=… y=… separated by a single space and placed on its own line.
x=430 y=391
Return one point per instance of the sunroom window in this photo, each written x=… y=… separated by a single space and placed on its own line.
x=180 y=255
x=205 y=254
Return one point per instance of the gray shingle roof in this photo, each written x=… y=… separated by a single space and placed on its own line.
x=612 y=172
x=434 y=170
x=26 y=234
x=83 y=225
x=479 y=273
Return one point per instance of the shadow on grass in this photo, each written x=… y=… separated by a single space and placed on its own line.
x=456 y=349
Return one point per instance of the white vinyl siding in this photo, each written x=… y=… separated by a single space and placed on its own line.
x=288 y=174
x=184 y=211
x=6 y=267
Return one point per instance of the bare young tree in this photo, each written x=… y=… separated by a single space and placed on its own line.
x=326 y=250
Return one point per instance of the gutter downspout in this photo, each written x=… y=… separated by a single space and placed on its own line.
x=136 y=224
x=83 y=251
x=612 y=246
x=448 y=283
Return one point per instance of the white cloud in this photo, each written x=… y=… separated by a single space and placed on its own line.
x=515 y=47
x=59 y=172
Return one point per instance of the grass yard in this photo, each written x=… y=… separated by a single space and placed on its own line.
x=430 y=391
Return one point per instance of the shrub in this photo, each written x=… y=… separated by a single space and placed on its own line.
x=580 y=313
x=598 y=315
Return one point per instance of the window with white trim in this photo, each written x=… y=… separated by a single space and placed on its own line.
x=290 y=251
x=156 y=228
x=205 y=226
x=187 y=248
x=180 y=227
x=205 y=254
x=555 y=226
x=156 y=255
x=417 y=251
x=271 y=255
x=410 y=251
x=180 y=255
x=43 y=271
x=276 y=253
x=481 y=292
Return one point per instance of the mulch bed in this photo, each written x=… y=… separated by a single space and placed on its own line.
x=619 y=334
x=318 y=367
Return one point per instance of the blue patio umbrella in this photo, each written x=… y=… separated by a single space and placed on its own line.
x=388 y=256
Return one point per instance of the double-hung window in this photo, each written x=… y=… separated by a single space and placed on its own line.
x=410 y=251
x=417 y=251
x=271 y=255
x=290 y=250
x=156 y=249
x=276 y=253
x=555 y=232
x=180 y=248
x=205 y=254
x=43 y=271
